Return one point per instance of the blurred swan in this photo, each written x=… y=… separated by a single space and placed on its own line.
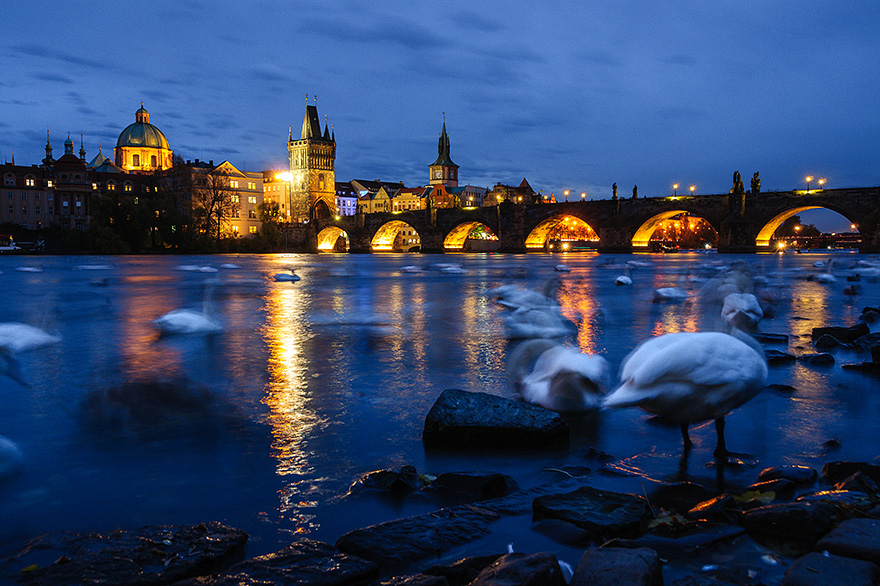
x=562 y=379
x=742 y=311
x=451 y=268
x=515 y=297
x=292 y=276
x=624 y=279
x=11 y=458
x=562 y=268
x=411 y=269
x=190 y=321
x=826 y=277
x=670 y=294
x=538 y=322
x=15 y=338
x=692 y=377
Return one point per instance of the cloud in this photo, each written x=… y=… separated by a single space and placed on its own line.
x=53 y=77
x=409 y=35
x=468 y=19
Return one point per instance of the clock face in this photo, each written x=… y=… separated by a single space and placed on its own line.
x=437 y=174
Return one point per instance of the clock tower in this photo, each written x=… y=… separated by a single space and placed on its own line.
x=443 y=170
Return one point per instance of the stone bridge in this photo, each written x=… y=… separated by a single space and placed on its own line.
x=744 y=222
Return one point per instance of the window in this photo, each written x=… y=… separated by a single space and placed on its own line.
x=111 y=186
x=252 y=199
x=252 y=185
x=65 y=225
x=23 y=196
x=49 y=183
x=153 y=161
x=29 y=182
x=321 y=181
x=94 y=186
x=136 y=160
x=23 y=210
x=234 y=198
x=37 y=209
x=252 y=214
x=50 y=197
x=252 y=229
x=235 y=214
x=24 y=225
x=234 y=184
x=235 y=230
x=11 y=210
x=127 y=187
x=136 y=201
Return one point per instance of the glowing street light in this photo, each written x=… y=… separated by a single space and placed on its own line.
x=693 y=189
x=675 y=189
x=808 y=179
x=583 y=195
x=821 y=182
x=566 y=194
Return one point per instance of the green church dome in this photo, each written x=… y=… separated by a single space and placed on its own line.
x=142 y=133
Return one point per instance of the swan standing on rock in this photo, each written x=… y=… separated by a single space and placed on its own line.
x=692 y=377
x=560 y=378
x=18 y=337
x=742 y=311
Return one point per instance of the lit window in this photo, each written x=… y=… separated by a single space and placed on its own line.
x=252 y=199
x=128 y=187
x=234 y=184
x=235 y=229
x=234 y=198
x=252 y=214
x=252 y=229
x=136 y=160
x=48 y=184
x=111 y=186
x=252 y=185
x=135 y=201
x=29 y=182
x=94 y=186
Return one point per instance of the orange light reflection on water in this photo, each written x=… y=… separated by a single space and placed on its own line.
x=290 y=416
x=578 y=302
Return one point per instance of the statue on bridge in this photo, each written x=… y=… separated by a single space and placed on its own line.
x=756 y=183
x=738 y=187
x=614 y=191
x=635 y=192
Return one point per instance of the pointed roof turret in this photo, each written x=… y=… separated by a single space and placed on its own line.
x=48 y=160
x=82 y=148
x=311 y=124
x=68 y=145
x=443 y=148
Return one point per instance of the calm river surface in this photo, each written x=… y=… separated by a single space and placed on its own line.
x=314 y=383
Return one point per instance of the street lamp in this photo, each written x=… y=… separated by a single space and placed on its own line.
x=808 y=179
x=821 y=182
x=675 y=189
x=693 y=189
x=566 y=194
x=583 y=195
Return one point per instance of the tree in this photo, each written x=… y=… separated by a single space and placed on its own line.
x=788 y=229
x=172 y=222
x=213 y=201
x=270 y=217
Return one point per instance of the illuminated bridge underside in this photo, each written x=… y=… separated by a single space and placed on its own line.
x=642 y=237
x=456 y=238
x=384 y=238
x=538 y=237
x=328 y=236
x=767 y=231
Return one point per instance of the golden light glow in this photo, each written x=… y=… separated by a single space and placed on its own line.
x=387 y=236
x=693 y=188
x=563 y=228
x=808 y=178
x=821 y=182
x=286 y=176
x=767 y=231
x=328 y=237
x=455 y=240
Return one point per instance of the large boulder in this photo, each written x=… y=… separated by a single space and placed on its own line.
x=844 y=334
x=798 y=474
x=394 y=545
x=604 y=514
x=471 y=486
x=618 y=567
x=803 y=522
x=834 y=472
x=143 y=557
x=395 y=482
x=854 y=538
x=461 y=419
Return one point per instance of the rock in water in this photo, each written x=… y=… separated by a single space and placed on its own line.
x=462 y=419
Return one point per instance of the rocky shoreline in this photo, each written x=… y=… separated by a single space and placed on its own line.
x=791 y=526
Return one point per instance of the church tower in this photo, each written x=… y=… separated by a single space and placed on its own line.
x=443 y=170
x=312 y=175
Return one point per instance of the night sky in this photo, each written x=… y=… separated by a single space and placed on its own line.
x=570 y=95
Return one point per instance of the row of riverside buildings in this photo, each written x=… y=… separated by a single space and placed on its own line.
x=62 y=192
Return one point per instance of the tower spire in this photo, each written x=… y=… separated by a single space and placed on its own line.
x=82 y=148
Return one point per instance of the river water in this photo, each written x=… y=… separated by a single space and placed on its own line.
x=316 y=382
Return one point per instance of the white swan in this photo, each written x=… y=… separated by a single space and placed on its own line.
x=692 y=377
x=190 y=321
x=670 y=294
x=288 y=277
x=562 y=268
x=538 y=322
x=565 y=380
x=17 y=337
x=515 y=297
x=826 y=277
x=624 y=280
x=742 y=311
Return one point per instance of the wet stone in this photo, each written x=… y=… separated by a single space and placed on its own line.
x=696 y=580
x=685 y=546
x=766 y=338
x=827 y=342
x=396 y=544
x=472 y=486
x=777 y=357
x=780 y=388
x=846 y=501
x=834 y=472
x=415 y=580
x=721 y=508
x=800 y=475
x=519 y=569
x=842 y=333
x=817 y=569
x=616 y=567
x=778 y=486
x=397 y=481
x=854 y=538
x=603 y=513
x=463 y=571
x=460 y=419
x=823 y=359
x=149 y=555
x=859 y=482
x=867 y=342
x=302 y=562
x=804 y=522
x=679 y=496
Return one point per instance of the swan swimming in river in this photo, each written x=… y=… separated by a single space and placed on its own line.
x=190 y=321
x=18 y=337
x=692 y=377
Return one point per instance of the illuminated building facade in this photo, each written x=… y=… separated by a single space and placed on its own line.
x=141 y=147
x=312 y=176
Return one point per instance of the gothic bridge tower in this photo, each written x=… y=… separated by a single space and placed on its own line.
x=312 y=162
x=443 y=170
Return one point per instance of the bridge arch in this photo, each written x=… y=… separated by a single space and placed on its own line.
x=566 y=227
x=767 y=231
x=458 y=236
x=328 y=239
x=642 y=237
x=396 y=236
